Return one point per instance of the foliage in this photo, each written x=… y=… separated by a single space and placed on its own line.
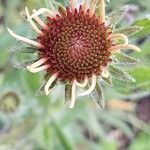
x=44 y=122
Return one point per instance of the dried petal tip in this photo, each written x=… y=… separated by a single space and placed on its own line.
x=25 y=40
x=49 y=83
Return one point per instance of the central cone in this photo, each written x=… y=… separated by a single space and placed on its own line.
x=75 y=44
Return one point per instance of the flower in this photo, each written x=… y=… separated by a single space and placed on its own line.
x=75 y=45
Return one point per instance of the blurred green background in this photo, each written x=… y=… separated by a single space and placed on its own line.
x=31 y=122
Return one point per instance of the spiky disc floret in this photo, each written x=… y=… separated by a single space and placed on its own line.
x=75 y=45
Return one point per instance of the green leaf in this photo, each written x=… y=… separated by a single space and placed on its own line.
x=23 y=50
x=116 y=16
x=129 y=31
x=41 y=91
x=145 y=23
x=108 y=80
x=124 y=59
x=23 y=65
x=20 y=130
x=62 y=137
x=109 y=118
x=97 y=95
x=32 y=81
x=141 y=142
x=119 y=74
x=68 y=88
x=46 y=132
x=142 y=74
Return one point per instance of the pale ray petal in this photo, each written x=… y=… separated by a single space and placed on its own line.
x=49 y=83
x=39 y=21
x=119 y=36
x=73 y=4
x=115 y=49
x=38 y=69
x=41 y=11
x=39 y=62
x=32 y=23
x=91 y=88
x=93 y=7
x=85 y=6
x=102 y=10
x=82 y=84
x=73 y=95
x=105 y=73
x=25 y=40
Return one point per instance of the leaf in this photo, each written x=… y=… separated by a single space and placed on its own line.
x=23 y=65
x=23 y=50
x=65 y=141
x=116 y=16
x=108 y=118
x=129 y=31
x=19 y=131
x=97 y=95
x=125 y=59
x=46 y=133
x=119 y=74
x=145 y=23
x=142 y=74
x=41 y=91
x=68 y=88
x=108 y=80
x=141 y=142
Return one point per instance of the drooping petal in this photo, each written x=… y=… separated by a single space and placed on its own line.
x=25 y=40
x=91 y=88
x=49 y=83
x=73 y=97
x=32 y=23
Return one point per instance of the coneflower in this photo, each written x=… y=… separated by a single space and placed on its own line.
x=75 y=45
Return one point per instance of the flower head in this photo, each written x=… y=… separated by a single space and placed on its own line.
x=75 y=45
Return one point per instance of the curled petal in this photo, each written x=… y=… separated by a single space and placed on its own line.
x=93 y=84
x=73 y=97
x=119 y=36
x=25 y=40
x=41 y=11
x=32 y=23
x=82 y=84
x=39 y=62
x=50 y=81
x=115 y=49
x=39 y=21
x=38 y=69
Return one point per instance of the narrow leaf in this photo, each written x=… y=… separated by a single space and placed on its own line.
x=116 y=16
x=68 y=88
x=129 y=31
x=23 y=65
x=23 y=50
x=41 y=91
x=125 y=59
x=108 y=80
x=97 y=95
x=65 y=141
x=119 y=74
